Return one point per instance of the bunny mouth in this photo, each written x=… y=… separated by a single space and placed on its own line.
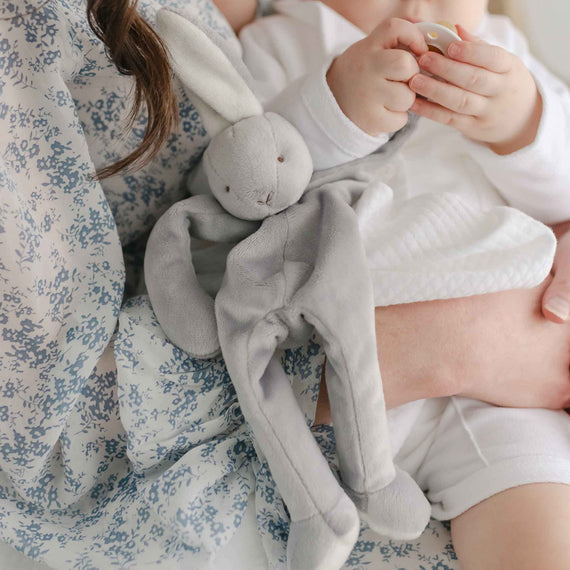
x=267 y=200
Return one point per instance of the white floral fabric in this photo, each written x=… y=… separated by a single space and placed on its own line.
x=117 y=450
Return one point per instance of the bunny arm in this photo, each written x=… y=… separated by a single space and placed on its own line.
x=182 y=306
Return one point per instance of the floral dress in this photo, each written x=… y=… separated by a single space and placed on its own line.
x=117 y=450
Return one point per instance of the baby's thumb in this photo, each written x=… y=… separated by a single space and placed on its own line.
x=556 y=299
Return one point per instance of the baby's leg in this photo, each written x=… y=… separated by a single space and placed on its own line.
x=502 y=475
x=523 y=528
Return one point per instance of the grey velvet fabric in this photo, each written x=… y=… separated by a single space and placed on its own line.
x=183 y=304
x=258 y=167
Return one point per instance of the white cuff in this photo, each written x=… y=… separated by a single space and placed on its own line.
x=331 y=136
x=532 y=178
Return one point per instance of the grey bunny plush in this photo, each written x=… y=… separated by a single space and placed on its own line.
x=256 y=165
x=302 y=268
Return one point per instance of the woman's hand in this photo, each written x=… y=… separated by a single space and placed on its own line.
x=556 y=300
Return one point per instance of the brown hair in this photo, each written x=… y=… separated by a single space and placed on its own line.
x=137 y=50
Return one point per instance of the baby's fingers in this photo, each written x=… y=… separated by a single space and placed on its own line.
x=396 y=65
x=394 y=120
x=482 y=55
x=398 y=97
x=466 y=35
x=442 y=115
x=395 y=32
x=449 y=96
x=469 y=77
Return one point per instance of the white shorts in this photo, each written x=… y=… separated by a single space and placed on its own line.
x=462 y=451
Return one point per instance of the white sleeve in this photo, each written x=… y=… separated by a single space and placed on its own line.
x=536 y=178
x=305 y=100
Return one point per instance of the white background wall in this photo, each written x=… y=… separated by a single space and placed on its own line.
x=546 y=23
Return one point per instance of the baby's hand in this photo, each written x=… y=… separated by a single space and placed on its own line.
x=370 y=79
x=490 y=96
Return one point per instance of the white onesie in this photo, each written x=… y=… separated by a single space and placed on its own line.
x=449 y=445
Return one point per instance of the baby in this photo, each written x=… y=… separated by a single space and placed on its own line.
x=346 y=74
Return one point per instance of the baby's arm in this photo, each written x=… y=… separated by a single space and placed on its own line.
x=344 y=112
x=517 y=113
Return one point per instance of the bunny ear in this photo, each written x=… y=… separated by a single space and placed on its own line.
x=217 y=89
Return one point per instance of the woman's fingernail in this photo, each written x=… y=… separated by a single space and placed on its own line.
x=453 y=49
x=558 y=306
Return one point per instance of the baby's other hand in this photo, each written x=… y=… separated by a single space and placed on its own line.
x=490 y=96
x=370 y=79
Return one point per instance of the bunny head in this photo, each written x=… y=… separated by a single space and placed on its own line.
x=256 y=164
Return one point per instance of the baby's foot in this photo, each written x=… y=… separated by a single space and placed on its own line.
x=400 y=510
x=324 y=541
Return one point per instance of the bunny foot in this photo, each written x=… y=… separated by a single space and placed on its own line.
x=324 y=541
x=400 y=510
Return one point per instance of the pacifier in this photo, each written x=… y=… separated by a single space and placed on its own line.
x=439 y=36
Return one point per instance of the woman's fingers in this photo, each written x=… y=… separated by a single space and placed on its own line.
x=468 y=77
x=556 y=299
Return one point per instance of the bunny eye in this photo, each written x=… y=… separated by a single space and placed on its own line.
x=227 y=188
x=280 y=159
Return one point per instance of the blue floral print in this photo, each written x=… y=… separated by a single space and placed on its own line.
x=117 y=450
